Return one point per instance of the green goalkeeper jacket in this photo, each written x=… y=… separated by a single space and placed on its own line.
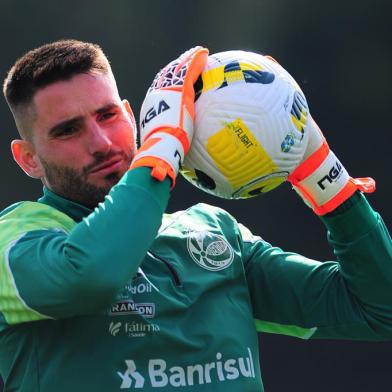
x=126 y=297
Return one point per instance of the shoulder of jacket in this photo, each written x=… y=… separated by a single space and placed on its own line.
x=27 y=216
x=200 y=216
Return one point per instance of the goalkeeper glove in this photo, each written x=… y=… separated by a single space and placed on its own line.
x=167 y=115
x=320 y=179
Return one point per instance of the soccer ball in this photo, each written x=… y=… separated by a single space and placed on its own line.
x=250 y=132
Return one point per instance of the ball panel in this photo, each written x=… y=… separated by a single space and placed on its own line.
x=238 y=155
x=260 y=185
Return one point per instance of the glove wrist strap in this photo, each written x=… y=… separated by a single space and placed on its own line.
x=324 y=183
x=162 y=152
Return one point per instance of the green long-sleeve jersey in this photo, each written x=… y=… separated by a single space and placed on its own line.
x=126 y=297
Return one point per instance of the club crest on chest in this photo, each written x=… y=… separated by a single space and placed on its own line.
x=210 y=251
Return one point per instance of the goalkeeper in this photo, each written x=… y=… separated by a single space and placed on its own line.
x=102 y=291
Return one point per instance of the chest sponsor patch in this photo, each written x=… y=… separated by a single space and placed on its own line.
x=130 y=307
x=210 y=251
x=160 y=375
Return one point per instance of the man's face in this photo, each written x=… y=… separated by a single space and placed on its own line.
x=83 y=137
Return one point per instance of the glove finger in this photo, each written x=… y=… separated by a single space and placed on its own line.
x=173 y=75
x=196 y=65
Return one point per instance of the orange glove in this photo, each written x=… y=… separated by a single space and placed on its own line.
x=320 y=179
x=167 y=115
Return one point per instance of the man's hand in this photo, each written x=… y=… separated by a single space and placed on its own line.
x=320 y=179
x=167 y=115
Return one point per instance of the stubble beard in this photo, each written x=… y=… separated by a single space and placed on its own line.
x=73 y=184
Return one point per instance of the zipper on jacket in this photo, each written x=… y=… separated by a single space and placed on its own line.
x=171 y=269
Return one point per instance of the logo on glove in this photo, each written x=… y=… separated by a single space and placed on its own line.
x=331 y=176
x=152 y=112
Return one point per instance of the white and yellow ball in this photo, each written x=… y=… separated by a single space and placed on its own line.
x=250 y=133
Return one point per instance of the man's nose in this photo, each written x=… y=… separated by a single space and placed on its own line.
x=98 y=139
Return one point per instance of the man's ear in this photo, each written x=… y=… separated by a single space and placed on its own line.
x=128 y=108
x=24 y=154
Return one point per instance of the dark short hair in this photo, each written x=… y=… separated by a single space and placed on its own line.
x=50 y=63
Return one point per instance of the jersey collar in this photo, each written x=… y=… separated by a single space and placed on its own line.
x=74 y=210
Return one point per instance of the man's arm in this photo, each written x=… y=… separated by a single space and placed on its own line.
x=62 y=274
x=350 y=298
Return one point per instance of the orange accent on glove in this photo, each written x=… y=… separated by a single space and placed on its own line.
x=160 y=168
x=179 y=133
x=308 y=190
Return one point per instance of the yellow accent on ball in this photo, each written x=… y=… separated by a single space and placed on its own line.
x=242 y=160
x=213 y=78
x=300 y=124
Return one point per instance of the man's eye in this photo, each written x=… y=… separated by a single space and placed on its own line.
x=67 y=131
x=64 y=132
x=107 y=116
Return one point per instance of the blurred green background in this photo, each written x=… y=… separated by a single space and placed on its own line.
x=340 y=52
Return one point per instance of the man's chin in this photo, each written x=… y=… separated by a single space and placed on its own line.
x=82 y=188
x=90 y=196
x=86 y=193
x=106 y=182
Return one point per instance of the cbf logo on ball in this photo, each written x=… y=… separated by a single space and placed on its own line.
x=210 y=251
